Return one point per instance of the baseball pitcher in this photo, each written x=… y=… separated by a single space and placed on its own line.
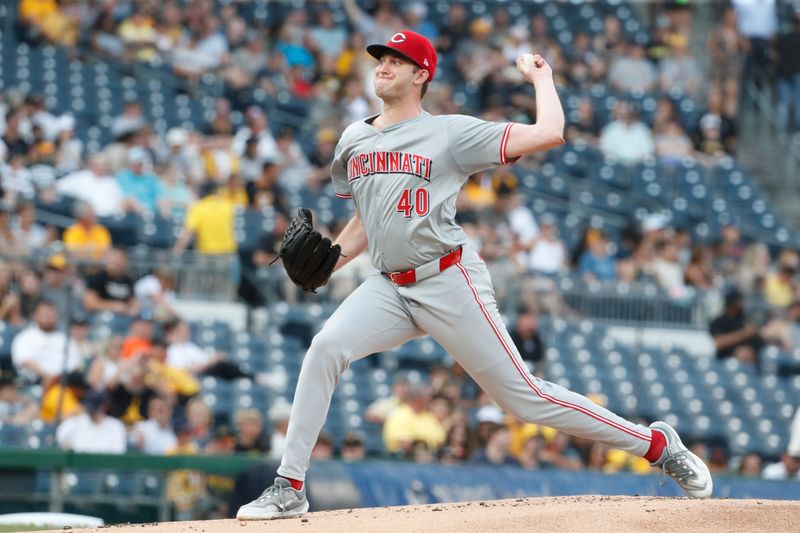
x=403 y=169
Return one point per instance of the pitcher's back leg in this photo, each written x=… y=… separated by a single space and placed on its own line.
x=472 y=331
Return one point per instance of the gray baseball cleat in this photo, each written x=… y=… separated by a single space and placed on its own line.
x=278 y=501
x=677 y=462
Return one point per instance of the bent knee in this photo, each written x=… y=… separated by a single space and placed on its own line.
x=327 y=348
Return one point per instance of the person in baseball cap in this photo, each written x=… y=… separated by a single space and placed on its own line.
x=408 y=45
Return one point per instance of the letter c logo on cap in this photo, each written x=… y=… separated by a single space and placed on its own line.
x=398 y=38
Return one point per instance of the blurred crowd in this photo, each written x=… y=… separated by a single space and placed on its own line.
x=140 y=392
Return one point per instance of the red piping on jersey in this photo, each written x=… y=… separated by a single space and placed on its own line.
x=527 y=379
x=503 y=143
x=345 y=196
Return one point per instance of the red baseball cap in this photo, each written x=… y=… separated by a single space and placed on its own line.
x=411 y=45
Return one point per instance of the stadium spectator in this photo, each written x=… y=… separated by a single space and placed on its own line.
x=205 y=50
x=558 y=453
x=250 y=436
x=141 y=189
x=106 y=368
x=265 y=191
x=8 y=244
x=138 y=35
x=9 y=299
x=412 y=421
x=415 y=15
x=93 y=431
x=459 y=443
x=328 y=36
x=57 y=285
x=250 y=166
x=128 y=123
x=184 y=354
x=33 y=16
x=788 y=74
x=95 y=186
x=750 y=466
x=245 y=63
x=257 y=128
x=28 y=287
x=733 y=334
x=103 y=39
x=729 y=250
x=779 y=287
x=715 y=112
x=679 y=70
x=376 y=28
x=111 y=289
x=155 y=293
x=155 y=435
x=587 y=125
x=210 y=223
x=62 y=399
x=181 y=155
x=353 y=448
x=598 y=458
x=525 y=336
x=279 y=418
x=170 y=382
x=293 y=162
x=176 y=195
x=667 y=270
x=234 y=191
x=548 y=255
x=699 y=273
x=444 y=409
x=788 y=468
x=626 y=138
x=594 y=263
x=201 y=421
x=131 y=394
x=41 y=352
x=496 y=450
x=632 y=71
x=79 y=332
x=17 y=179
x=139 y=340
x=753 y=268
x=727 y=48
x=379 y=410
x=86 y=238
x=28 y=234
x=711 y=148
x=672 y=145
x=529 y=456
x=758 y=22
x=15 y=409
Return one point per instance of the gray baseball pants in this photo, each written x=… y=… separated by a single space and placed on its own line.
x=457 y=308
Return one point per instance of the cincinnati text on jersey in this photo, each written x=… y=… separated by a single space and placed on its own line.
x=361 y=165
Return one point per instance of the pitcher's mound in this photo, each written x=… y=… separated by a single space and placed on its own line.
x=595 y=514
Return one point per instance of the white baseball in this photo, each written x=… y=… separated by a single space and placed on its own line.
x=527 y=59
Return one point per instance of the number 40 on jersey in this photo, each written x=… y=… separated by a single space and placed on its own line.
x=413 y=200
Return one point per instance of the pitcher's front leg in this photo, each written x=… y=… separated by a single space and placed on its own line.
x=372 y=319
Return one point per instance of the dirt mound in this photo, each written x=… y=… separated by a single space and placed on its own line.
x=594 y=514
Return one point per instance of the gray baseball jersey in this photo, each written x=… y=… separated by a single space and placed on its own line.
x=404 y=180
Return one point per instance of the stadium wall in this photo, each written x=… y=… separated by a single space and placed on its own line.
x=335 y=484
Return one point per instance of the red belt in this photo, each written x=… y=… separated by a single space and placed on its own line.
x=407 y=277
